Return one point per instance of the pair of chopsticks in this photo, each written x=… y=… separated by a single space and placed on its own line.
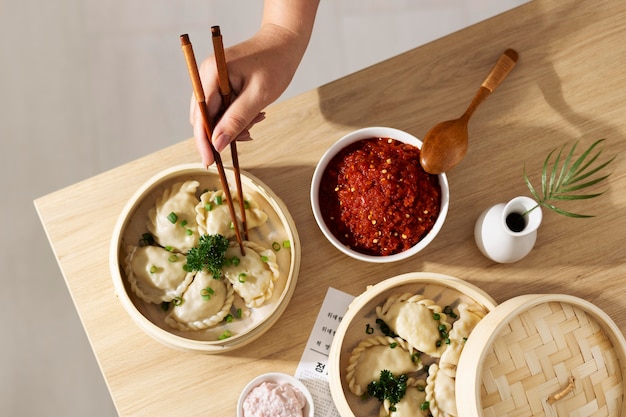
x=225 y=91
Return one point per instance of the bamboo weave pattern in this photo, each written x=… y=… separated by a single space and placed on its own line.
x=535 y=356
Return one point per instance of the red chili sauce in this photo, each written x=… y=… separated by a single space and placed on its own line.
x=376 y=198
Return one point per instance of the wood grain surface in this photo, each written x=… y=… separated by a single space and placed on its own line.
x=569 y=84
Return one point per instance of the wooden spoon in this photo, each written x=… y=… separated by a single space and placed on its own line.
x=445 y=144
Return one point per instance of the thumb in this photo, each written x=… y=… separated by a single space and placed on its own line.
x=242 y=112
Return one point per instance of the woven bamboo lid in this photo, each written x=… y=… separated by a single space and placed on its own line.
x=543 y=355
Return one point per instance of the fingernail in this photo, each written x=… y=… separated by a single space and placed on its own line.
x=221 y=142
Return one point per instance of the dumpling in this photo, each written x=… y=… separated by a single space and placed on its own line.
x=204 y=304
x=469 y=316
x=410 y=405
x=252 y=276
x=375 y=354
x=213 y=216
x=172 y=221
x=440 y=393
x=155 y=274
x=417 y=320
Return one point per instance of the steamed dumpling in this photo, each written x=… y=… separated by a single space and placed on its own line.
x=417 y=320
x=440 y=393
x=204 y=304
x=172 y=221
x=213 y=215
x=253 y=275
x=469 y=316
x=375 y=354
x=155 y=274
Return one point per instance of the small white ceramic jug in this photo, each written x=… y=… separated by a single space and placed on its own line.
x=504 y=234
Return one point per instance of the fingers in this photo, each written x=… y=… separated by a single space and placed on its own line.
x=221 y=142
x=235 y=123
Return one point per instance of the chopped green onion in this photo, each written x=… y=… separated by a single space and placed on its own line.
x=276 y=246
x=189 y=232
x=169 y=248
x=231 y=225
x=153 y=269
x=187 y=268
x=228 y=318
x=242 y=277
x=286 y=244
x=208 y=206
x=415 y=357
x=246 y=204
x=183 y=223
x=177 y=301
x=225 y=335
x=264 y=258
x=239 y=313
x=218 y=200
x=165 y=306
x=425 y=406
x=235 y=260
x=173 y=258
x=436 y=316
x=146 y=239
x=172 y=217
x=393 y=345
x=206 y=293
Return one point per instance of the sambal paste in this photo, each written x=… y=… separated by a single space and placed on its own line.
x=376 y=198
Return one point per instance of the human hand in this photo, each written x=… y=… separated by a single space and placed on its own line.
x=259 y=70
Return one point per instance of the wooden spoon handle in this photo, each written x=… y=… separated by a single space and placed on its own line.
x=505 y=64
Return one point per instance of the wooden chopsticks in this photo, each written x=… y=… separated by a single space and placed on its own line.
x=224 y=85
x=192 y=67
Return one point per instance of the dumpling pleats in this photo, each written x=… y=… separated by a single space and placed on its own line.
x=155 y=274
x=375 y=354
x=252 y=276
x=417 y=320
x=204 y=304
x=213 y=216
x=172 y=221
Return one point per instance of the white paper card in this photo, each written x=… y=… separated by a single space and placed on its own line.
x=313 y=367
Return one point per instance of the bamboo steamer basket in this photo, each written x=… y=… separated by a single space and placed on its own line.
x=533 y=355
x=150 y=318
x=543 y=355
x=443 y=289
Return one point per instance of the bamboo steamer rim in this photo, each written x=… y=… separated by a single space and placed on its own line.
x=173 y=340
x=544 y=389
x=372 y=292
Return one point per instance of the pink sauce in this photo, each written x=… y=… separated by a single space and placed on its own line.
x=274 y=400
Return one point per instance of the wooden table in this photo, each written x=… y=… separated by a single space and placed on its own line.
x=569 y=84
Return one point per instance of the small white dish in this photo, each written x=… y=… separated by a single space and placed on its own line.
x=280 y=378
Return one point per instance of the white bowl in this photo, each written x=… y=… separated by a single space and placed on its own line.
x=150 y=318
x=366 y=133
x=279 y=378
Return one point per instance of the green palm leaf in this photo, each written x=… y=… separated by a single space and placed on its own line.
x=560 y=179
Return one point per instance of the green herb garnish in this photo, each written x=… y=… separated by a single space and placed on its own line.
x=385 y=328
x=388 y=387
x=209 y=255
x=573 y=176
